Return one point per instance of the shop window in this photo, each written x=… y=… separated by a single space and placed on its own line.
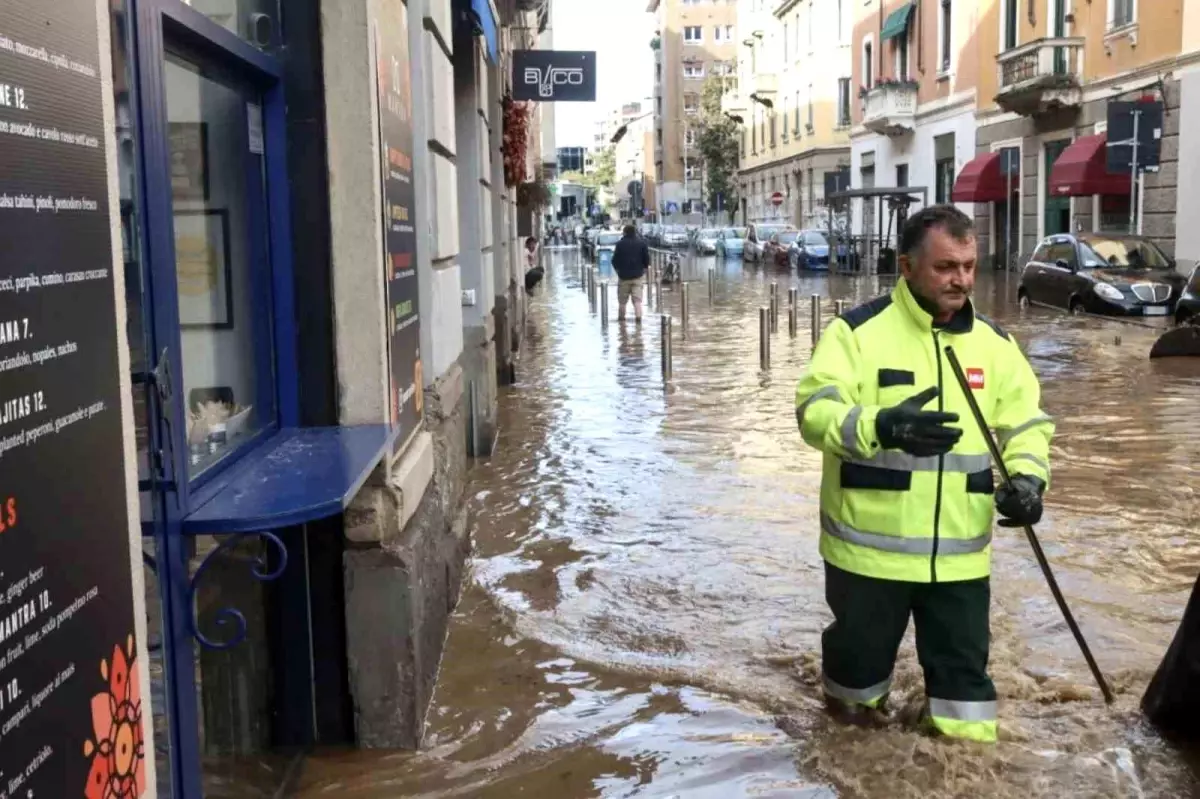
x=901 y=174
x=221 y=253
x=943 y=176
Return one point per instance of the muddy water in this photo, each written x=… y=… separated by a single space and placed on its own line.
x=644 y=612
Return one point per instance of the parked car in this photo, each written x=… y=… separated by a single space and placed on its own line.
x=810 y=250
x=757 y=236
x=1188 y=307
x=673 y=236
x=706 y=240
x=606 y=244
x=731 y=241
x=1102 y=273
x=775 y=251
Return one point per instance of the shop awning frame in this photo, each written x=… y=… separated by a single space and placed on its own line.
x=1082 y=170
x=896 y=23
x=982 y=180
x=486 y=26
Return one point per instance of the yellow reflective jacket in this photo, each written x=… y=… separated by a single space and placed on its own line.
x=895 y=516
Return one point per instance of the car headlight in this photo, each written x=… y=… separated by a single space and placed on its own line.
x=1109 y=292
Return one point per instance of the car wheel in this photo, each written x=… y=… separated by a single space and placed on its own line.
x=1023 y=300
x=1182 y=317
x=1075 y=307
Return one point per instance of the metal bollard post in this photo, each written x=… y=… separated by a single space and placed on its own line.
x=793 y=311
x=683 y=305
x=604 y=304
x=712 y=284
x=816 y=319
x=666 y=346
x=764 y=338
x=774 y=307
x=839 y=307
x=592 y=289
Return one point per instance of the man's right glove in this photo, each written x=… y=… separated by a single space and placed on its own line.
x=922 y=433
x=1021 y=504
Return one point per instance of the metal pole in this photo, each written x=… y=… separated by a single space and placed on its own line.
x=839 y=307
x=816 y=318
x=764 y=337
x=1006 y=479
x=774 y=307
x=666 y=346
x=604 y=304
x=712 y=284
x=1133 y=176
x=592 y=288
x=793 y=311
x=683 y=304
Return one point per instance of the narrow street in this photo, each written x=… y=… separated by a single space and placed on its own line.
x=644 y=609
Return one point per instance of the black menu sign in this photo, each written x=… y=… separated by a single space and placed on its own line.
x=399 y=215
x=70 y=697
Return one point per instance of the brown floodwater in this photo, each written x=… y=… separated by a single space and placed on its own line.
x=644 y=608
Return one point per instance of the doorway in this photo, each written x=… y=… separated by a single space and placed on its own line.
x=1057 y=215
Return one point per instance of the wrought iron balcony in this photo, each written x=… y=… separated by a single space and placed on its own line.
x=1041 y=76
x=891 y=108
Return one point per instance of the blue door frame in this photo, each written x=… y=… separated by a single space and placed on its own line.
x=163 y=26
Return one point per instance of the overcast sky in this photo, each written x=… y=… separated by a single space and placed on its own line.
x=620 y=32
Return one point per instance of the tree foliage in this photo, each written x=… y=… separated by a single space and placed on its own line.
x=718 y=145
x=606 y=167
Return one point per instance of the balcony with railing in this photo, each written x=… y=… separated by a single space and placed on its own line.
x=1041 y=76
x=891 y=108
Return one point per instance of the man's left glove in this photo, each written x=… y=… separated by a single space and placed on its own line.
x=1022 y=503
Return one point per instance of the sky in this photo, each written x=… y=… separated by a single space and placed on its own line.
x=620 y=32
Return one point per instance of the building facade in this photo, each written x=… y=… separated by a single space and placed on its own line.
x=570 y=159
x=794 y=90
x=1059 y=70
x=915 y=84
x=322 y=292
x=695 y=39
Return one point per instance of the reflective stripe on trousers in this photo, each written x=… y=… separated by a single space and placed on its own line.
x=870 y=696
x=972 y=721
x=905 y=545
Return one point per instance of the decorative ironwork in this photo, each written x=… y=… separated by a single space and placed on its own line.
x=226 y=616
x=1020 y=69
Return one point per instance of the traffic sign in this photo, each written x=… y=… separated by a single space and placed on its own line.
x=1121 y=135
x=777 y=198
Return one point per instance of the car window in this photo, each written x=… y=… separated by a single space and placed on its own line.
x=1042 y=253
x=607 y=239
x=1061 y=251
x=735 y=233
x=787 y=236
x=813 y=239
x=1126 y=253
x=1194 y=282
x=709 y=233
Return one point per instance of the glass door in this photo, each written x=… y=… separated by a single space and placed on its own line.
x=209 y=274
x=1057 y=218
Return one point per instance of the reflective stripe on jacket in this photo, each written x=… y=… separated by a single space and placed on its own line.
x=891 y=515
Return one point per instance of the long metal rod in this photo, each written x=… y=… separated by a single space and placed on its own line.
x=764 y=337
x=1006 y=479
x=604 y=304
x=774 y=307
x=683 y=304
x=667 y=365
x=816 y=318
x=712 y=282
x=793 y=311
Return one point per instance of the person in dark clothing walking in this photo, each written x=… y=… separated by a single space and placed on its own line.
x=630 y=259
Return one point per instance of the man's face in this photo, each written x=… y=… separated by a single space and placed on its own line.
x=942 y=271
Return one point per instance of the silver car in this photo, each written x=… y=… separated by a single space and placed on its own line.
x=673 y=236
x=706 y=240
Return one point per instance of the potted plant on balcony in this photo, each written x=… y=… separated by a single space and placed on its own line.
x=535 y=193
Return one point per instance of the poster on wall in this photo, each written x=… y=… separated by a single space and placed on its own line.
x=71 y=701
x=394 y=85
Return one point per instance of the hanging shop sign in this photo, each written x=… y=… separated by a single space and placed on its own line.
x=394 y=85
x=554 y=76
x=72 y=701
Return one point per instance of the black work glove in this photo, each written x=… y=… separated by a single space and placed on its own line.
x=917 y=432
x=1022 y=503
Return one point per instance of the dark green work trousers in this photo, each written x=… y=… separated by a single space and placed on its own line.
x=870 y=617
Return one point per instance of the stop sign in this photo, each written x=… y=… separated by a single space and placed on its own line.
x=777 y=198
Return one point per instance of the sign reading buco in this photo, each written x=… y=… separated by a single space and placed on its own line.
x=550 y=76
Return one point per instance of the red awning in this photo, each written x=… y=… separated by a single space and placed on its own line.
x=1081 y=170
x=980 y=181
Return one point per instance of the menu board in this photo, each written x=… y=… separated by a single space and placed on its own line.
x=70 y=697
x=399 y=216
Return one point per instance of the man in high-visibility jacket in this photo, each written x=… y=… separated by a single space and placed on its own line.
x=907 y=490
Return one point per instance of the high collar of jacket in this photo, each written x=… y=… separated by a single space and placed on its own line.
x=962 y=321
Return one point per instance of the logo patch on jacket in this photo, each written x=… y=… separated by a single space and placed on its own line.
x=974 y=377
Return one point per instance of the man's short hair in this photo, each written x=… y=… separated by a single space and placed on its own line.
x=629 y=230
x=946 y=217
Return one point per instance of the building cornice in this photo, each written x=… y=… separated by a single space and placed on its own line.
x=801 y=156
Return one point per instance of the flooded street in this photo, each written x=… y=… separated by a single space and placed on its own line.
x=644 y=611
